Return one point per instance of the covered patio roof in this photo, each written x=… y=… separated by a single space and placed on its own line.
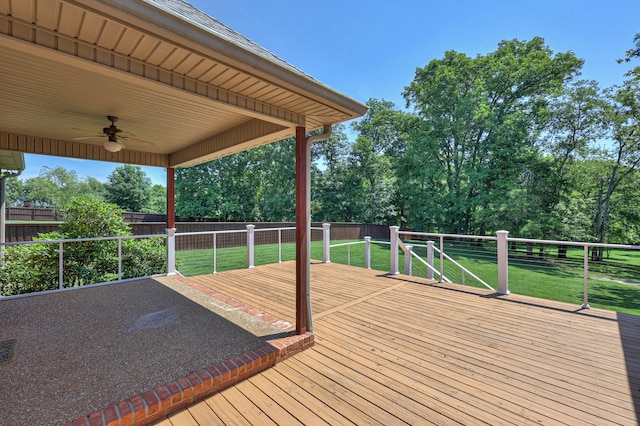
x=186 y=88
x=183 y=88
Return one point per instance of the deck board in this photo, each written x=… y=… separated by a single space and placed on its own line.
x=405 y=350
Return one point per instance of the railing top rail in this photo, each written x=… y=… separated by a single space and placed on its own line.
x=228 y=231
x=231 y=231
x=433 y=234
x=574 y=243
x=74 y=240
x=347 y=244
x=289 y=228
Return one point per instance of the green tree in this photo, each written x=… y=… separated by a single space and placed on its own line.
x=15 y=194
x=54 y=187
x=632 y=54
x=277 y=180
x=157 y=200
x=226 y=188
x=239 y=184
x=129 y=188
x=336 y=191
x=623 y=155
x=575 y=122
x=478 y=120
x=198 y=191
x=380 y=143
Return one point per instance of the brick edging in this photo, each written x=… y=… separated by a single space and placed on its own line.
x=157 y=403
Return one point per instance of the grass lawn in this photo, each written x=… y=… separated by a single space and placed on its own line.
x=546 y=278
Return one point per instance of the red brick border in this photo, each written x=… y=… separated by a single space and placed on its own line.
x=157 y=403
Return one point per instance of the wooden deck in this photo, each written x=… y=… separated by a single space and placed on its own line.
x=401 y=350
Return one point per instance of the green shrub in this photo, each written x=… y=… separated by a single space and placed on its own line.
x=35 y=267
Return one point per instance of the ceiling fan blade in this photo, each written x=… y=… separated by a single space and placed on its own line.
x=88 y=137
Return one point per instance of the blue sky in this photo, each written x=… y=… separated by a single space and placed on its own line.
x=370 y=49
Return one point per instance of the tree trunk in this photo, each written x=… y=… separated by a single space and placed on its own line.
x=529 y=249
x=562 y=252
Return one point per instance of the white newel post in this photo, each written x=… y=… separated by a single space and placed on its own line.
x=250 y=248
x=171 y=251
x=585 y=303
x=503 y=262
x=430 y=259
x=367 y=252
x=408 y=260
x=326 y=242
x=393 y=237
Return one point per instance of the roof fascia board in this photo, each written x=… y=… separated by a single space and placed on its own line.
x=45 y=146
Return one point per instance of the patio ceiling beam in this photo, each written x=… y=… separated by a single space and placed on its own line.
x=248 y=135
x=60 y=148
x=42 y=42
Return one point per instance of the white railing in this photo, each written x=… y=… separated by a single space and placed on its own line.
x=585 y=249
x=367 y=250
x=409 y=254
x=61 y=249
x=506 y=257
x=210 y=242
x=453 y=263
x=214 y=236
x=367 y=242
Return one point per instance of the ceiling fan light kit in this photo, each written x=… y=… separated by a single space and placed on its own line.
x=112 y=144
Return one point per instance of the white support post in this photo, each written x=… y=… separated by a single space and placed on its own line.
x=367 y=252
x=171 y=251
x=215 y=254
x=119 y=258
x=430 y=259
x=441 y=279
x=61 y=265
x=326 y=242
x=250 y=246
x=408 y=260
x=585 y=303
x=503 y=262
x=393 y=237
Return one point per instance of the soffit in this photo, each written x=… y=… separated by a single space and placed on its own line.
x=11 y=160
x=175 y=78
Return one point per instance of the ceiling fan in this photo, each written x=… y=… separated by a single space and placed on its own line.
x=115 y=141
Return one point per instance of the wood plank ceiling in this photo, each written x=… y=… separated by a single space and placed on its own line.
x=186 y=88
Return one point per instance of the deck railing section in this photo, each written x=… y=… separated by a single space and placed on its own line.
x=64 y=244
x=547 y=263
x=550 y=266
x=243 y=248
x=360 y=249
x=448 y=269
x=562 y=258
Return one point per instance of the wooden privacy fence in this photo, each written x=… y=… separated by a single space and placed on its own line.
x=339 y=231
x=51 y=214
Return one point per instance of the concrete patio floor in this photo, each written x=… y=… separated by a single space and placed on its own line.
x=79 y=351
